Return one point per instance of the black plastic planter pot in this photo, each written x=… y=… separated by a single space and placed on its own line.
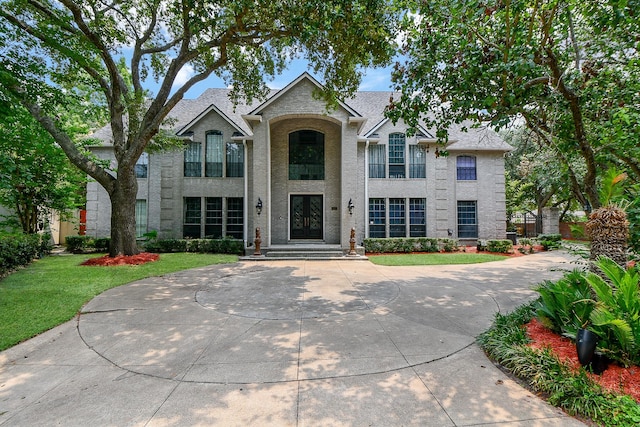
x=586 y=342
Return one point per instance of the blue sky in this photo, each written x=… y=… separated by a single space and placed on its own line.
x=378 y=79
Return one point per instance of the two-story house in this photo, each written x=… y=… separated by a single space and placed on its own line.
x=306 y=174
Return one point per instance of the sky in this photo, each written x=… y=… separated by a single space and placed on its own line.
x=378 y=79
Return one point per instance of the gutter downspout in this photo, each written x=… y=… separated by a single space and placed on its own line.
x=365 y=204
x=246 y=196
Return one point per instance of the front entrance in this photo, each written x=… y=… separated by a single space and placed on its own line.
x=306 y=216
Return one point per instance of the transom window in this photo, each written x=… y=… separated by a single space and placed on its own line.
x=306 y=155
x=466 y=168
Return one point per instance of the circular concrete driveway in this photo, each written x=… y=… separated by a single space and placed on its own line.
x=281 y=321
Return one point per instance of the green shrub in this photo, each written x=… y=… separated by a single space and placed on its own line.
x=500 y=246
x=565 y=305
x=505 y=342
x=18 y=250
x=217 y=246
x=550 y=241
x=408 y=245
x=85 y=244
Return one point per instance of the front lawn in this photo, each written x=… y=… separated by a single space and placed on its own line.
x=52 y=290
x=434 y=259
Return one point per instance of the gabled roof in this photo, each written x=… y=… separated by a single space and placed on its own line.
x=212 y=107
x=287 y=88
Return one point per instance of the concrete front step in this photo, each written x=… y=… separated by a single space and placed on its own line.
x=311 y=252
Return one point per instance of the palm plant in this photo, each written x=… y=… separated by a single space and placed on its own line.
x=616 y=316
x=608 y=226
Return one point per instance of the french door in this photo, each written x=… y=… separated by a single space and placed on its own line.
x=306 y=216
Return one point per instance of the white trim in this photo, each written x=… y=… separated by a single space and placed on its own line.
x=200 y=116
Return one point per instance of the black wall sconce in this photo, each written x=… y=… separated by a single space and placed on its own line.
x=350 y=207
x=259 y=206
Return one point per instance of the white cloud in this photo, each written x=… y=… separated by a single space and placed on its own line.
x=183 y=76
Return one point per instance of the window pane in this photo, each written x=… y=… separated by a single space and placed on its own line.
x=192 y=217
x=306 y=155
x=193 y=159
x=396 y=155
x=377 y=218
x=142 y=165
x=235 y=215
x=417 y=166
x=141 y=217
x=397 y=221
x=466 y=166
x=213 y=218
x=417 y=218
x=235 y=160
x=214 y=154
x=377 y=161
x=467 y=219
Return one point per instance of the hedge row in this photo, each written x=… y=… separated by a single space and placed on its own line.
x=500 y=246
x=410 y=244
x=83 y=244
x=216 y=246
x=550 y=241
x=17 y=250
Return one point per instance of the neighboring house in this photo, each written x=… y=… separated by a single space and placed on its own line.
x=307 y=175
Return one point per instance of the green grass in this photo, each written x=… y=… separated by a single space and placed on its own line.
x=52 y=290
x=434 y=259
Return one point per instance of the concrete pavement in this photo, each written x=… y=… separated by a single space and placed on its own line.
x=284 y=343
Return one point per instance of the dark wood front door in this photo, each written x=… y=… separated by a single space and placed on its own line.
x=306 y=217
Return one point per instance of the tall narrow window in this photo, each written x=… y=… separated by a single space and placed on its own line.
x=466 y=168
x=235 y=215
x=396 y=155
x=306 y=155
x=213 y=218
x=417 y=218
x=377 y=218
x=397 y=222
x=214 y=154
x=141 y=217
x=142 y=166
x=193 y=159
x=192 y=217
x=377 y=160
x=235 y=160
x=467 y=219
x=417 y=165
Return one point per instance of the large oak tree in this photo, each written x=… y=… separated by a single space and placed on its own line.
x=47 y=46
x=568 y=69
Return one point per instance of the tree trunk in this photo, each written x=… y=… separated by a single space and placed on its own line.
x=123 y=214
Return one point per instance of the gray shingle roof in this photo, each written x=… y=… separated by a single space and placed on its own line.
x=369 y=104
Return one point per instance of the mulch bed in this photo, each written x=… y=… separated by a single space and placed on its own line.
x=141 y=258
x=614 y=378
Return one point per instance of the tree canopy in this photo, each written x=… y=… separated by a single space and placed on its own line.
x=109 y=48
x=568 y=69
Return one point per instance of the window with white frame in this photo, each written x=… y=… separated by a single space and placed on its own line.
x=466 y=168
x=467 y=219
x=397 y=155
x=417 y=161
x=193 y=159
x=377 y=161
x=141 y=217
x=214 y=154
x=142 y=166
x=377 y=218
x=397 y=218
x=417 y=217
